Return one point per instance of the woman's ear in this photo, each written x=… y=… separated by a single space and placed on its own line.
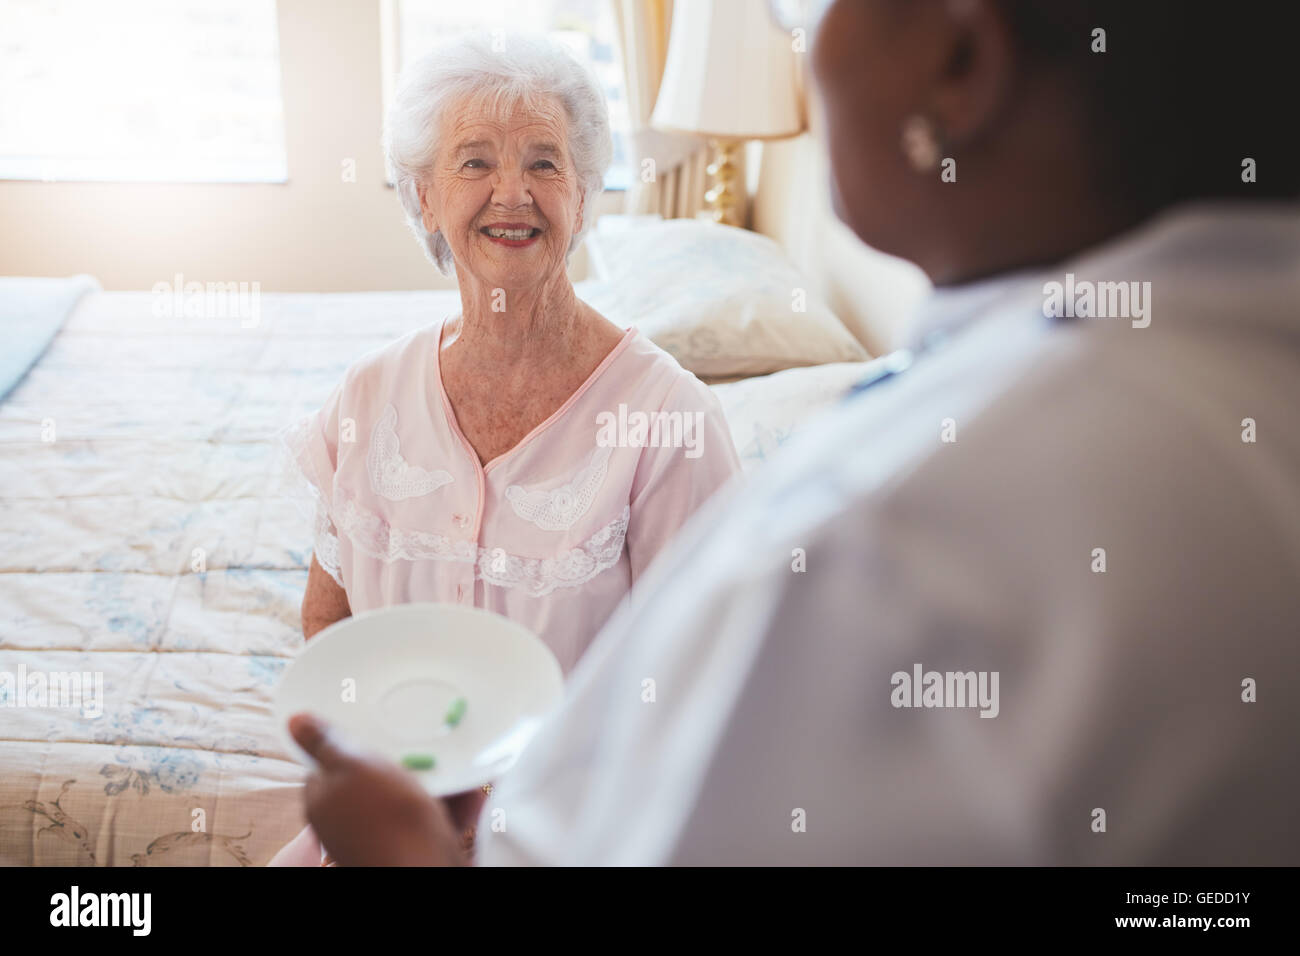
x=977 y=68
x=427 y=215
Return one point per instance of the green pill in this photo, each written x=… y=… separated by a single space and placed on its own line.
x=418 y=761
x=455 y=712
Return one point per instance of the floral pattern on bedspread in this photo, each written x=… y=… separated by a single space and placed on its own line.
x=145 y=539
x=765 y=411
x=150 y=545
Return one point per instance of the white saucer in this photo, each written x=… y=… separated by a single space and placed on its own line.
x=387 y=678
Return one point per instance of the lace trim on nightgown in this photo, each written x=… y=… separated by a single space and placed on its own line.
x=391 y=476
x=294 y=470
x=540 y=576
x=559 y=508
x=326 y=544
x=374 y=536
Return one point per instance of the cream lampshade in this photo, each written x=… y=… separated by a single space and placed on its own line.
x=731 y=75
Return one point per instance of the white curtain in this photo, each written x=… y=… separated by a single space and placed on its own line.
x=680 y=178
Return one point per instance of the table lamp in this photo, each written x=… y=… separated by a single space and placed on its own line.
x=731 y=75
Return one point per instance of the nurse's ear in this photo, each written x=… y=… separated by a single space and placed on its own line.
x=973 y=71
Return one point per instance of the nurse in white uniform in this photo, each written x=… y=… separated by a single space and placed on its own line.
x=1032 y=596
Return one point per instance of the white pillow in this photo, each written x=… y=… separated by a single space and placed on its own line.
x=720 y=300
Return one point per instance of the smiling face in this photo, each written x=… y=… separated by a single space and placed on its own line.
x=505 y=193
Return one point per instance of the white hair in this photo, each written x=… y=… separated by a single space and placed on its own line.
x=509 y=70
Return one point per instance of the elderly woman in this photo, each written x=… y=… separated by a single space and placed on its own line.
x=464 y=462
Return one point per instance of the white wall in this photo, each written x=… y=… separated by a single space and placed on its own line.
x=313 y=233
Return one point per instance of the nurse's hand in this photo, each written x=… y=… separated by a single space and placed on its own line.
x=368 y=811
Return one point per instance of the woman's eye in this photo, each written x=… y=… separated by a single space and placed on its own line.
x=474 y=164
x=543 y=164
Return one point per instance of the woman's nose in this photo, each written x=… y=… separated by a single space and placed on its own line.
x=509 y=189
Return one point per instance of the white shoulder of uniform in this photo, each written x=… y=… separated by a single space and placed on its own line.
x=1064 y=526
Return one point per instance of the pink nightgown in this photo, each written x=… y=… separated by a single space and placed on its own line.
x=553 y=533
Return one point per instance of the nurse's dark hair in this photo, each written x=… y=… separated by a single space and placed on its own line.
x=1185 y=92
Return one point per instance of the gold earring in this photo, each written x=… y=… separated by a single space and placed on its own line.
x=921 y=143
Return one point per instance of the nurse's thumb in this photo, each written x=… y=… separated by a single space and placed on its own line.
x=320 y=740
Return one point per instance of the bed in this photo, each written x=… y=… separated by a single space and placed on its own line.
x=146 y=536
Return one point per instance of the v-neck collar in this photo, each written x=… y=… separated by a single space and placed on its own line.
x=450 y=413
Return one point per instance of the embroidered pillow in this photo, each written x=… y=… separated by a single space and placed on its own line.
x=722 y=301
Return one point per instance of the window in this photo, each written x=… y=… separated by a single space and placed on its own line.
x=140 y=90
x=586 y=27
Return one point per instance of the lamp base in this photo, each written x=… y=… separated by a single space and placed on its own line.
x=723 y=198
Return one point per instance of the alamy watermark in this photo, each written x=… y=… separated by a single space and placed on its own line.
x=208 y=300
x=130 y=910
x=946 y=689
x=626 y=429
x=1100 y=300
x=72 y=690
